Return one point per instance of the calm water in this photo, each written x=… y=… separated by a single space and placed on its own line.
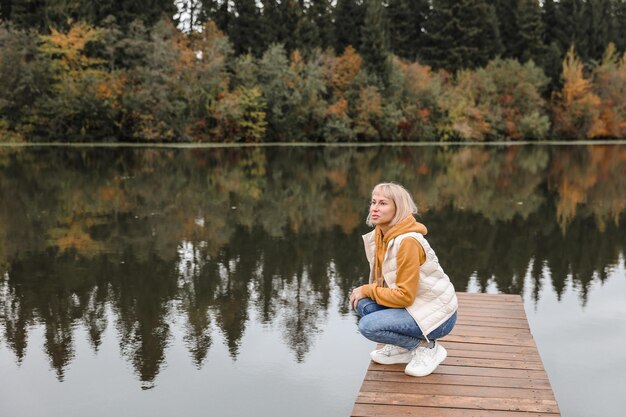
x=161 y=282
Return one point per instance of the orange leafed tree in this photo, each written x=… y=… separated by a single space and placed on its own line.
x=338 y=108
x=344 y=70
x=609 y=83
x=419 y=89
x=418 y=78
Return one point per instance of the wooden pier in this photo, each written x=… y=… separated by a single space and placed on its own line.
x=493 y=369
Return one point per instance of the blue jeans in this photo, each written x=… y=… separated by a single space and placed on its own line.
x=395 y=326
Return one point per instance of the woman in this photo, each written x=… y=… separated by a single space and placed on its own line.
x=409 y=302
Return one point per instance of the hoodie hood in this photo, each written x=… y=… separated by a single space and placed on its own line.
x=409 y=224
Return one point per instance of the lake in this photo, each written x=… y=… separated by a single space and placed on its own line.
x=214 y=281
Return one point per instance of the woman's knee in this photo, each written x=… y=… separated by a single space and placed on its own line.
x=361 y=307
x=449 y=324
x=444 y=329
x=367 y=326
x=366 y=306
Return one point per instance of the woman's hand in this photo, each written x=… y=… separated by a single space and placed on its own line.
x=355 y=296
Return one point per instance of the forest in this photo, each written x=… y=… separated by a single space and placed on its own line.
x=311 y=70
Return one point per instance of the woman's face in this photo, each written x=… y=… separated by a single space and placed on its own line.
x=382 y=210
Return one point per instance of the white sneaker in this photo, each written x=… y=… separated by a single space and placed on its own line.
x=426 y=360
x=391 y=354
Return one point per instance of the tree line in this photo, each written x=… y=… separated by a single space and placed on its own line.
x=318 y=70
x=442 y=34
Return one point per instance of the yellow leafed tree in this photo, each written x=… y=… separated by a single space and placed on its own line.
x=577 y=107
x=68 y=50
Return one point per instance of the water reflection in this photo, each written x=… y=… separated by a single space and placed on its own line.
x=210 y=236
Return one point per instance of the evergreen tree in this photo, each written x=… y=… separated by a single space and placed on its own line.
x=208 y=10
x=406 y=19
x=306 y=34
x=549 y=18
x=553 y=57
x=461 y=34
x=570 y=26
x=349 y=15
x=599 y=27
x=125 y=11
x=374 y=41
x=222 y=16
x=5 y=10
x=521 y=29
x=244 y=28
x=529 y=44
x=40 y=15
x=320 y=13
x=273 y=29
x=619 y=15
x=289 y=16
x=507 y=12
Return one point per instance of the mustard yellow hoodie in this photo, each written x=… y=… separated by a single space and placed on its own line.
x=410 y=257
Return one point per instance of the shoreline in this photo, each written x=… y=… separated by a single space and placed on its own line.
x=191 y=145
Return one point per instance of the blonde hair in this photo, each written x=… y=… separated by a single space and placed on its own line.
x=401 y=198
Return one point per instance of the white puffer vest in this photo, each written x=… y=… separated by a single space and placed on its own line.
x=436 y=300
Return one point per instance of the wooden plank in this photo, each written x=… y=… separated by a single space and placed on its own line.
x=509 y=341
x=501 y=298
x=489 y=371
x=493 y=369
x=467 y=320
x=513 y=349
x=492 y=305
x=477 y=313
x=438 y=378
x=454 y=354
x=463 y=362
x=491 y=331
x=496 y=363
x=377 y=410
x=499 y=312
x=461 y=390
x=456 y=401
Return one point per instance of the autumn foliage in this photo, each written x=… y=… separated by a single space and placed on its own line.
x=89 y=83
x=609 y=84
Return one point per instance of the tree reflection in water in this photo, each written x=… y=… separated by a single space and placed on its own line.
x=214 y=235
